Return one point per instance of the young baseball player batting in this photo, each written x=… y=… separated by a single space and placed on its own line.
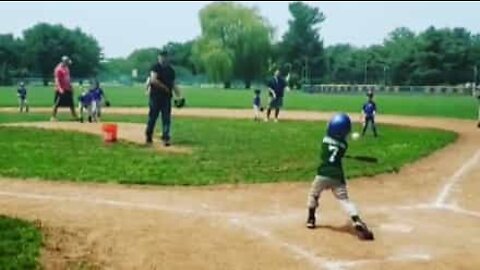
x=22 y=97
x=330 y=175
x=369 y=110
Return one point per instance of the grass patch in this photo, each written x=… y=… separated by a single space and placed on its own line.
x=399 y=104
x=19 y=244
x=225 y=151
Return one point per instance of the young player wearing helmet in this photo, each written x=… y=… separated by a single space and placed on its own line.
x=330 y=175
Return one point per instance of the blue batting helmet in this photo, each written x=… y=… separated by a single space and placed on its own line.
x=339 y=126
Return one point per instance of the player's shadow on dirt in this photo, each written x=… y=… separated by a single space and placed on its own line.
x=346 y=229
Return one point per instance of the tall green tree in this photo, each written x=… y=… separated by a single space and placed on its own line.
x=302 y=44
x=400 y=46
x=237 y=39
x=142 y=60
x=216 y=61
x=11 y=51
x=46 y=43
x=181 y=54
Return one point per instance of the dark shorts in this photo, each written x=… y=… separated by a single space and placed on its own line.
x=276 y=103
x=63 y=100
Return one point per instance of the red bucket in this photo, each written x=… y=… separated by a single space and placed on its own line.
x=109 y=132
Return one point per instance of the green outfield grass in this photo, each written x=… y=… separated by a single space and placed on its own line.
x=225 y=151
x=20 y=243
x=464 y=107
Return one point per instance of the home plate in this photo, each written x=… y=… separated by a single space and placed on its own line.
x=401 y=228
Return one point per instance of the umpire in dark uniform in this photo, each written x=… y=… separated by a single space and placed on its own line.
x=162 y=88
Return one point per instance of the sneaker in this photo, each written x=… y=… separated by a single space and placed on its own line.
x=311 y=223
x=275 y=120
x=166 y=143
x=362 y=230
x=53 y=119
x=311 y=219
x=148 y=140
x=266 y=119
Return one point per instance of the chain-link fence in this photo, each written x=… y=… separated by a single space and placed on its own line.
x=332 y=89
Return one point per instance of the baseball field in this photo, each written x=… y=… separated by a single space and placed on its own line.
x=455 y=106
x=231 y=193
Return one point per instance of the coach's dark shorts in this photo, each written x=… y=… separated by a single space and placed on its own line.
x=276 y=103
x=64 y=100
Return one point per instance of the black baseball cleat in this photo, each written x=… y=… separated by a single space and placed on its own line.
x=148 y=141
x=311 y=219
x=478 y=125
x=311 y=223
x=362 y=231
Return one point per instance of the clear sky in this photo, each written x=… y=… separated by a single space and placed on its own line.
x=122 y=27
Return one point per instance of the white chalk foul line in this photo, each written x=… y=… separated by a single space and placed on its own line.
x=458 y=210
x=340 y=265
x=115 y=203
x=236 y=219
x=315 y=261
x=454 y=179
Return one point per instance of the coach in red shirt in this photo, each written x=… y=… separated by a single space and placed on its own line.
x=63 y=88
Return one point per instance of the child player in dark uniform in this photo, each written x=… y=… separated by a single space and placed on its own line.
x=22 y=97
x=369 y=110
x=85 y=103
x=257 y=105
x=98 y=96
x=330 y=175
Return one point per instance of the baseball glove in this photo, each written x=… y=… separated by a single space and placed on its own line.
x=262 y=109
x=107 y=103
x=179 y=103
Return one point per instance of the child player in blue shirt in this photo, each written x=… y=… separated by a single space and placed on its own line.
x=85 y=103
x=22 y=97
x=98 y=95
x=369 y=111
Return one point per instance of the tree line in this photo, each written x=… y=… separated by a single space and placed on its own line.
x=238 y=44
x=40 y=48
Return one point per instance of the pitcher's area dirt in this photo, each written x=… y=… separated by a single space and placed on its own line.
x=425 y=217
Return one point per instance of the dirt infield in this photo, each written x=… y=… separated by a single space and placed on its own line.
x=425 y=217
